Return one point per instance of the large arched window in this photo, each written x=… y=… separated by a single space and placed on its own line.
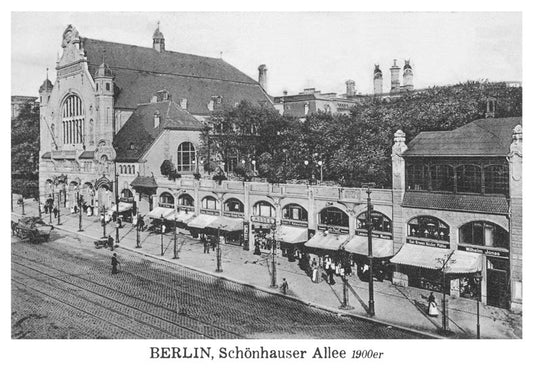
x=331 y=216
x=126 y=193
x=234 y=205
x=380 y=222
x=186 y=200
x=497 y=179
x=484 y=234
x=73 y=120
x=209 y=203
x=417 y=175
x=441 y=178
x=428 y=228
x=186 y=157
x=469 y=179
x=295 y=212
x=264 y=209
x=166 y=198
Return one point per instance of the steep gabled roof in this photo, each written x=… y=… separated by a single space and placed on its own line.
x=142 y=71
x=483 y=137
x=140 y=131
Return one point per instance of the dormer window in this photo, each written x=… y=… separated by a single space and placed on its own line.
x=162 y=96
x=183 y=103
x=132 y=146
x=157 y=119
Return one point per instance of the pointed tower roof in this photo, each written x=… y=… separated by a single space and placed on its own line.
x=157 y=33
x=103 y=71
x=47 y=85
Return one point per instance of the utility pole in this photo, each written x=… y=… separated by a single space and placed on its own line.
x=162 y=252
x=445 y=261
x=116 y=201
x=79 y=199
x=103 y=218
x=59 y=215
x=138 y=231
x=219 y=253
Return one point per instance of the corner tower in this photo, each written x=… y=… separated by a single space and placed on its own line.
x=158 y=40
x=104 y=81
x=408 y=76
x=378 y=80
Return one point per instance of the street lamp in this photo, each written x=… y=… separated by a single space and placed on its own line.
x=219 y=253
x=273 y=281
x=59 y=214
x=79 y=200
x=103 y=219
x=116 y=201
x=345 y=299
x=306 y=163
x=161 y=228
x=371 y=310
x=445 y=262
x=138 y=231
x=478 y=278
x=175 y=236
x=321 y=165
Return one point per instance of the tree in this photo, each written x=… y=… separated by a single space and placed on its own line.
x=25 y=152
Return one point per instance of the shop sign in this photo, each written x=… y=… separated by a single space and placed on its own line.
x=428 y=243
x=486 y=251
x=296 y=223
x=126 y=199
x=246 y=235
x=374 y=235
x=209 y=212
x=334 y=229
x=266 y=220
x=166 y=205
x=186 y=208
x=232 y=214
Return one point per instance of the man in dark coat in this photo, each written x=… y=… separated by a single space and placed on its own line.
x=110 y=241
x=114 y=263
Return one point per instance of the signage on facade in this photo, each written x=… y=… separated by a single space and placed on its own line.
x=166 y=205
x=233 y=214
x=374 y=235
x=186 y=208
x=486 y=251
x=296 y=223
x=266 y=220
x=428 y=243
x=209 y=212
x=334 y=229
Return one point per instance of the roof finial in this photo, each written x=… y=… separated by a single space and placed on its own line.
x=158 y=24
x=221 y=52
x=46 y=73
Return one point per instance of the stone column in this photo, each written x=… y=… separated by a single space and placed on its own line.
x=398 y=189
x=515 y=218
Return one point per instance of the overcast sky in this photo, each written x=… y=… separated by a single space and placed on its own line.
x=301 y=50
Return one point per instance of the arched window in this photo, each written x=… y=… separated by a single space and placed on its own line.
x=126 y=193
x=264 y=209
x=129 y=170
x=484 y=234
x=332 y=216
x=469 y=179
x=497 y=179
x=295 y=212
x=121 y=169
x=441 y=178
x=209 y=203
x=428 y=228
x=417 y=177
x=73 y=120
x=166 y=198
x=380 y=222
x=234 y=205
x=186 y=157
x=132 y=169
x=185 y=200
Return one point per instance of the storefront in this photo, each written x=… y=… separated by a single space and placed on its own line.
x=293 y=232
x=233 y=221
x=185 y=210
x=263 y=221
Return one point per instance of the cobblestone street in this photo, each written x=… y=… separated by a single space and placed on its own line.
x=61 y=293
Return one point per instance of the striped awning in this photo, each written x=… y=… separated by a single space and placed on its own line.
x=201 y=221
x=380 y=247
x=291 y=235
x=157 y=212
x=180 y=216
x=227 y=224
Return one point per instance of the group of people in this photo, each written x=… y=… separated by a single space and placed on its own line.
x=208 y=243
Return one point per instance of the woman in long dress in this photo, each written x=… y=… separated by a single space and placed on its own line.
x=432 y=305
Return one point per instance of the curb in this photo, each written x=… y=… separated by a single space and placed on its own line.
x=265 y=290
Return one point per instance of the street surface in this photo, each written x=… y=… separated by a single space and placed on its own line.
x=65 y=289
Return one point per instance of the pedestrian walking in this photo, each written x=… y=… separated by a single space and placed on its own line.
x=432 y=305
x=114 y=264
x=284 y=286
x=110 y=242
x=257 y=250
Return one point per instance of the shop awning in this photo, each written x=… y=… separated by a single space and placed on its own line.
x=427 y=257
x=291 y=235
x=180 y=216
x=227 y=224
x=124 y=206
x=202 y=221
x=329 y=241
x=381 y=248
x=159 y=211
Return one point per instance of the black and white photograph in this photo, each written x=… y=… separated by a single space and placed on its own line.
x=294 y=178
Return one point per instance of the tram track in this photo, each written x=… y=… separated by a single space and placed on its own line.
x=127 y=310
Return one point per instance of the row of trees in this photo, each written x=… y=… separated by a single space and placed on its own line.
x=25 y=152
x=352 y=148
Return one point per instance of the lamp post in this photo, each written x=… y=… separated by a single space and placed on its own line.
x=273 y=283
x=103 y=219
x=175 y=236
x=51 y=207
x=116 y=202
x=371 y=310
x=59 y=214
x=219 y=253
x=162 y=252
x=345 y=298
x=478 y=277
x=445 y=261
x=321 y=165
x=138 y=231
x=306 y=163
x=79 y=200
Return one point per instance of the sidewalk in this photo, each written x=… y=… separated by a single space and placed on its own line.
x=398 y=306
